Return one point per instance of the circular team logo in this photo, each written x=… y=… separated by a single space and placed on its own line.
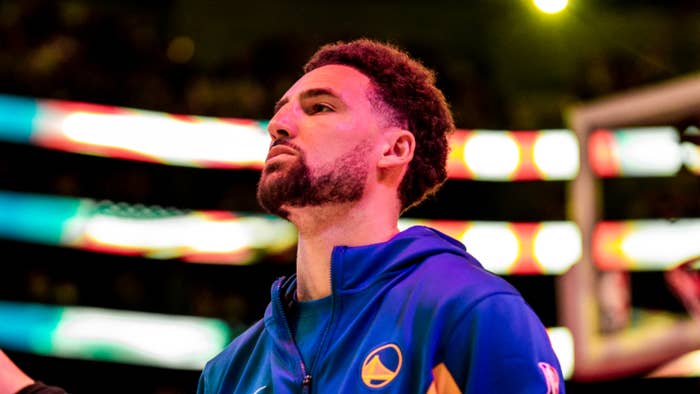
x=381 y=366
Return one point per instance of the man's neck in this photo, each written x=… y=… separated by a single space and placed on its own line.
x=322 y=228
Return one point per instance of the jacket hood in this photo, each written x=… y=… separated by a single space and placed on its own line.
x=354 y=268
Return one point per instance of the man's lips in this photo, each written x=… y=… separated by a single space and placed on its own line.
x=280 y=150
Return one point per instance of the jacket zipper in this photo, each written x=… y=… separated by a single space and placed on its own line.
x=306 y=380
x=306 y=385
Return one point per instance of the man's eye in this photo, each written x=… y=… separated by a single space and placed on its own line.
x=320 y=107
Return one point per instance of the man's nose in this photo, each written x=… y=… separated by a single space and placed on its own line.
x=282 y=124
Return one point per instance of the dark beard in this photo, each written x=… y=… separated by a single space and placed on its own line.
x=343 y=182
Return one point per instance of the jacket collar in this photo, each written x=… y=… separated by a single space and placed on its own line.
x=355 y=268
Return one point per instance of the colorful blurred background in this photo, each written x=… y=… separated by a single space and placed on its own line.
x=131 y=136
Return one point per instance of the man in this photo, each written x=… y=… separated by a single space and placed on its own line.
x=356 y=141
x=13 y=380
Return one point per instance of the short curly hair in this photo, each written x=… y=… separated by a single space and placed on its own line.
x=407 y=88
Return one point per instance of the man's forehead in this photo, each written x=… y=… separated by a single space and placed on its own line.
x=341 y=79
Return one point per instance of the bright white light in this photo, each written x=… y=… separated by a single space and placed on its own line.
x=557 y=154
x=492 y=155
x=166 y=340
x=271 y=234
x=557 y=246
x=158 y=233
x=220 y=237
x=649 y=151
x=189 y=233
x=563 y=345
x=405 y=223
x=168 y=138
x=551 y=6
x=691 y=156
x=658 y=244
x=493 y=244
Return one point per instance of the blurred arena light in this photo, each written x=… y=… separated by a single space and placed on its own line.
x=136 y=230
x=690 y=146
x=544 y=248
x=645 y=245
x=511 y=248
x=563 y=344
x=496 y=155
x=234 y=143
x=181 y=49
x=150 y=339
x=621 y=153
x=233 y=238
x=133 y=134
x=551 y=6
x=169 y=341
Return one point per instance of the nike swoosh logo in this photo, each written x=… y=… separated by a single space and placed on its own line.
x=259 y=390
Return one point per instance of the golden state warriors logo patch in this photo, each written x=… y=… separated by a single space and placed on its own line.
x=381 y=366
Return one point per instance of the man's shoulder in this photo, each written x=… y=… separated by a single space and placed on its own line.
x=240 y=347
x=460 y=276
x=225 y=368
x=460 y=265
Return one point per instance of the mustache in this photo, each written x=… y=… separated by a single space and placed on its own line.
x=284 y=142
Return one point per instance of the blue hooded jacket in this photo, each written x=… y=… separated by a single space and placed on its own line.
x=415 y=314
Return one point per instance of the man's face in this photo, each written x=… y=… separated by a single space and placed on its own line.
x=323 y=133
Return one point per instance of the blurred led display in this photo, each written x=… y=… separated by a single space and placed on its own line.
x=151 y=232
x=134 y=134
x=645 y=245
x=493 y=155
x=169 y=341
x=198 y=141
x=166 y=341
x=514 y=248
x=635 y=152
x=232 y=238
x=210 y=142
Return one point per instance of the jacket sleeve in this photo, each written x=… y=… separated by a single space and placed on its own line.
x=201 y=384
x=501 y=346
x=41 y=388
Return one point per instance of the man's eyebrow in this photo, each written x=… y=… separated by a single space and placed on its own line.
x=306 y=95
x=318 y=92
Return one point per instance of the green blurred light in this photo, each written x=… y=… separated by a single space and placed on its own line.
x=170 y=341
x=37 y=218
x=28 y=327
x=17 y=115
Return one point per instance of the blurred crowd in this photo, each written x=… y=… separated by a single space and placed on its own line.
x=117 y=54
x=132 y=54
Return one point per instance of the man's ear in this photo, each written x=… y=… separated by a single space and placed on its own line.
x=398 y=148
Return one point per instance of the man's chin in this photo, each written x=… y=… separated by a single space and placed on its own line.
x=273 y=208
x=272 y=175
x=271 y=168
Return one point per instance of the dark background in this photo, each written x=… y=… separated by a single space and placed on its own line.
x=501 y=63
